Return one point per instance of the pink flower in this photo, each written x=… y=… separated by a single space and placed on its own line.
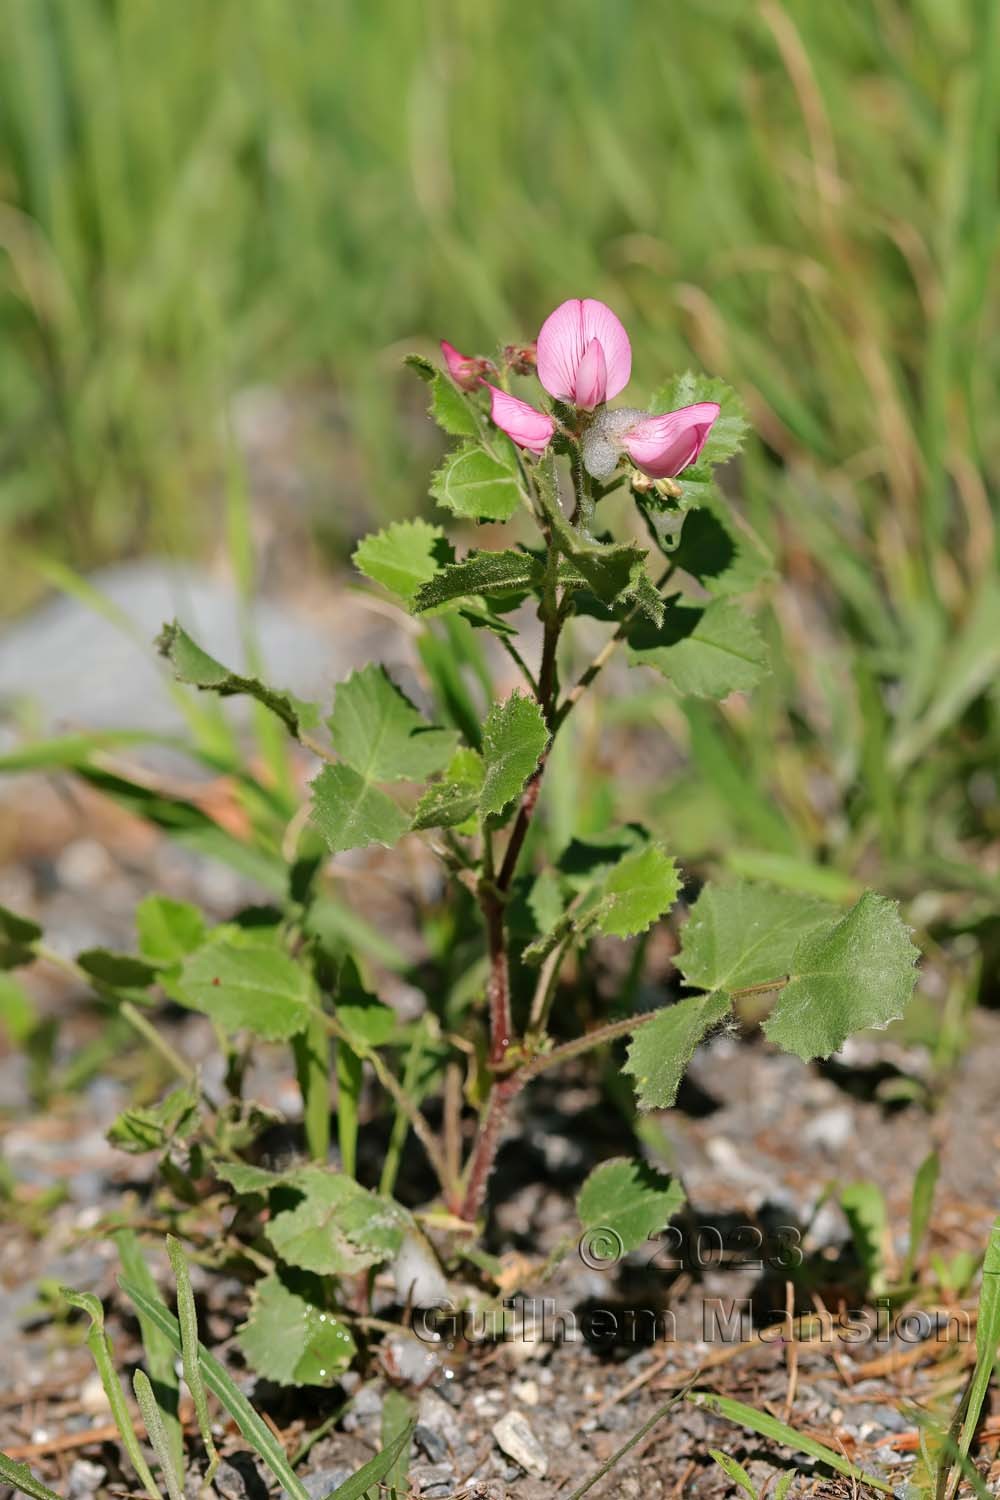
x=663 y=446
x=466 y=370
x=529 y=427
x=584 y=355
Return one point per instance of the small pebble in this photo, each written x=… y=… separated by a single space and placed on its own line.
x=431 y=1444
x=515 y=1438
x=85 y=1479
x=527 y=1392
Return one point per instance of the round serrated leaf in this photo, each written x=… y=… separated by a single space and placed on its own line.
x=290 y=1338
x=629 y=1197
x=248 y=987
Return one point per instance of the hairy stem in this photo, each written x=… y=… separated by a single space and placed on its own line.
x=487 y=1141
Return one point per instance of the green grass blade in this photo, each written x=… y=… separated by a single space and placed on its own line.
x=397 y=1417
x=187 y=1317
x=220 y=1383
x=349 y=1081
x=157 y=1433
x=312 y=1066
x=779 y=1432
x=21 y=1477
x=374 y=1471
x=103 y=1356
x=987 y=1340
x=921 y=1204
x=160 y=1357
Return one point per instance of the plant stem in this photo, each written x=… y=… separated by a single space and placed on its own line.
x=488 y=1139
x=508 y=1087
x=600 y=661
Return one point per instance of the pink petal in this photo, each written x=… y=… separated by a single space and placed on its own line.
x=464 y=369
x=529 y=427
x=563 y=343
x=663 y=446
x=592 y=377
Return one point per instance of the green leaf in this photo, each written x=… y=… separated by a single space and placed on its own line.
x=221 y=1384
x=398 y=1417
x=481 y=573
x=638 y=890
x=741 y=935
x=369 y=1022
x=708 y=652
x=451 y=409
x=730 y=427
x=152 y=1127
x=514 y=739
x=720 y=550
x=616 y=574
x=854 y=973
x=477 y=485
x=779 y=1432
x=662 y=1048
x=290 y=1338
x=195 y=667
x=247 y=986
x=452 y=801
x=168 y=930
x=867 y=1214
x=987 y=1339
x=630 y=1198
x=21 y=931
x=735 y=1471
x=119 y=970
x=921 y=1207
x=21 y=1478
x=371 y=1474
x=338 y=1227
x=245 y=1179
x=156 y=1346
x=403 y=556
x=18 y=936
x=381 y=735
x=18 y=1014
x=350 y=813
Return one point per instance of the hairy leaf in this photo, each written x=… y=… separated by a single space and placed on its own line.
x=381 y=735
x=152 y=1127
x=730 y=427
x=290 y=1338
x=854 y=973
x=195 y=667
x=514 y=739
x=477 y=485
x=638 y=890
x=746 y=934
x=338 y=1227
x=247 y=986
x=119 y=970
x=168 y=930
x=708 y=653
x=351 y=813
x=452 y=801
x=719 y=549
x=662 y=1048
x=630 y=1198
x=481 y=573
x=403 y=556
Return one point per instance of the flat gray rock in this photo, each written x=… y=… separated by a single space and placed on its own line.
x=69 y=667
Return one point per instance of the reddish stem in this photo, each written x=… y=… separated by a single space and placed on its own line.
x=488 y=1140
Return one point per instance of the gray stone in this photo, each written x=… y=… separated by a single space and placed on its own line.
x=85 y=1479
x=430 y=1443
x=515 y=1438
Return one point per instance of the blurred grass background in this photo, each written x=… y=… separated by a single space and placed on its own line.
x=200 y=201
